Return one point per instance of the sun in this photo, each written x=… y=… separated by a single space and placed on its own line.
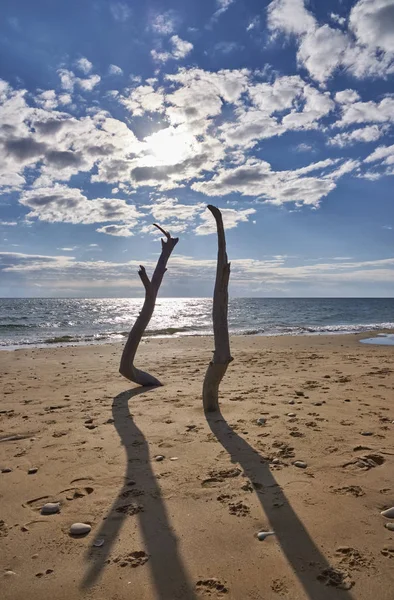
x=169 y=146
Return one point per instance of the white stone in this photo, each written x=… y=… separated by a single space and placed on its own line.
x=261 y=421
x=80 y=529
x=291 y=414
x=390 y=526
x=389 y=513
x=50 y=508
x=262 y=535
x=98 y=543
x=300 y=464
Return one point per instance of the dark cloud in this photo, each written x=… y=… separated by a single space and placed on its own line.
x=60 y=200
x=149 y=173
x=50 y=127
x=64 y=159
x=101 y=150
x=244 y=176
x=22 y=149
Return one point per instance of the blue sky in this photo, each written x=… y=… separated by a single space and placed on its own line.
x=115 y=115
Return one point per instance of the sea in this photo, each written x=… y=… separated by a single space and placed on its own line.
x=45 y=321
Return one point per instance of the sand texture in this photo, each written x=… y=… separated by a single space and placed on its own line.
x=185 y=526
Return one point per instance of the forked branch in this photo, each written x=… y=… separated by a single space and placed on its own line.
x=127 y=368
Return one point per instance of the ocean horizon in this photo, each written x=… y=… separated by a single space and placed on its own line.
x=46 y=321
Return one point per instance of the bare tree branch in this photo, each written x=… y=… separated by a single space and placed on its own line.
x=127 y=368
x=222 y=355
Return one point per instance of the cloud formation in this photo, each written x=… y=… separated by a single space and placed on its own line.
x=365 y=48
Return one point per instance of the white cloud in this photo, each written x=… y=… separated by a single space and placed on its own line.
x=367 y=112
x=68 y=205
x=366 y=48
x=363 y=134
x=84 y=65
x=222 y=5
x=231 y=218
x=120 y=11
x=254 y=24
x=180 y=49
x=68 y=81
x=255 y=178
x=164 y=23
x=115 y=70
x=382 y=153
x=347 y=96
x=289 y=16
x=8 y=223
x=116 y=230
x=144 y=98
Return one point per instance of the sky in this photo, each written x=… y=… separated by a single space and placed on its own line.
x=115 y=115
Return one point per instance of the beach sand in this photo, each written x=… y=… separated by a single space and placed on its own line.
x=186 y=528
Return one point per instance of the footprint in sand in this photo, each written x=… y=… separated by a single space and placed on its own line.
x=352 y=558
x=239 y=509
x=279 y=587
x=131 y=559
x=130 y=509
x=75 y=492
x=351 y=490
x=211 y=587
x=335 y=578
x=366 y=462
x=388 y=551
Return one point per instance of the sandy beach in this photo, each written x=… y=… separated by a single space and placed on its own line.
x=185 y=527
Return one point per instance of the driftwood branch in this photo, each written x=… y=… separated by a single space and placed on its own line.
x=127 y=368
x=221 y=356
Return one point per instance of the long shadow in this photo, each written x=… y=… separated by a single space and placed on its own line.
x=304 y=557
x=141 y=494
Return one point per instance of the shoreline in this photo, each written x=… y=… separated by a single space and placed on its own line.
x=43 y=345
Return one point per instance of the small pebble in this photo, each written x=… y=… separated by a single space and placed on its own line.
x=35 y=556
x=390 y=526
x=80 y=529
x=174 y=458
x=317 y=403
x=291 y=414
x=98 y=543
x=275 y=461
x=9 y=573
x=261 y=421
x=291 y=402
x=32 y=471
x=50 y=508
x=159 y=458
x=389 y=513
x=299 y=393
x=262 y=535
x=300 y=464
x=366 y=433
x=6 y=470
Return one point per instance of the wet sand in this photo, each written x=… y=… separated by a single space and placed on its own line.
x=185 y=527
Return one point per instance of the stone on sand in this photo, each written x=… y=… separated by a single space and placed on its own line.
x=300 y=464
x=390 y=526
x=32 y=471
x=50 y=508
x=80 y=529
x=389 y=513
x=262 y=535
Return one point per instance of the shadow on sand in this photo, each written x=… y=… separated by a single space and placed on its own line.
x=302 y=554
x=169 y=576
